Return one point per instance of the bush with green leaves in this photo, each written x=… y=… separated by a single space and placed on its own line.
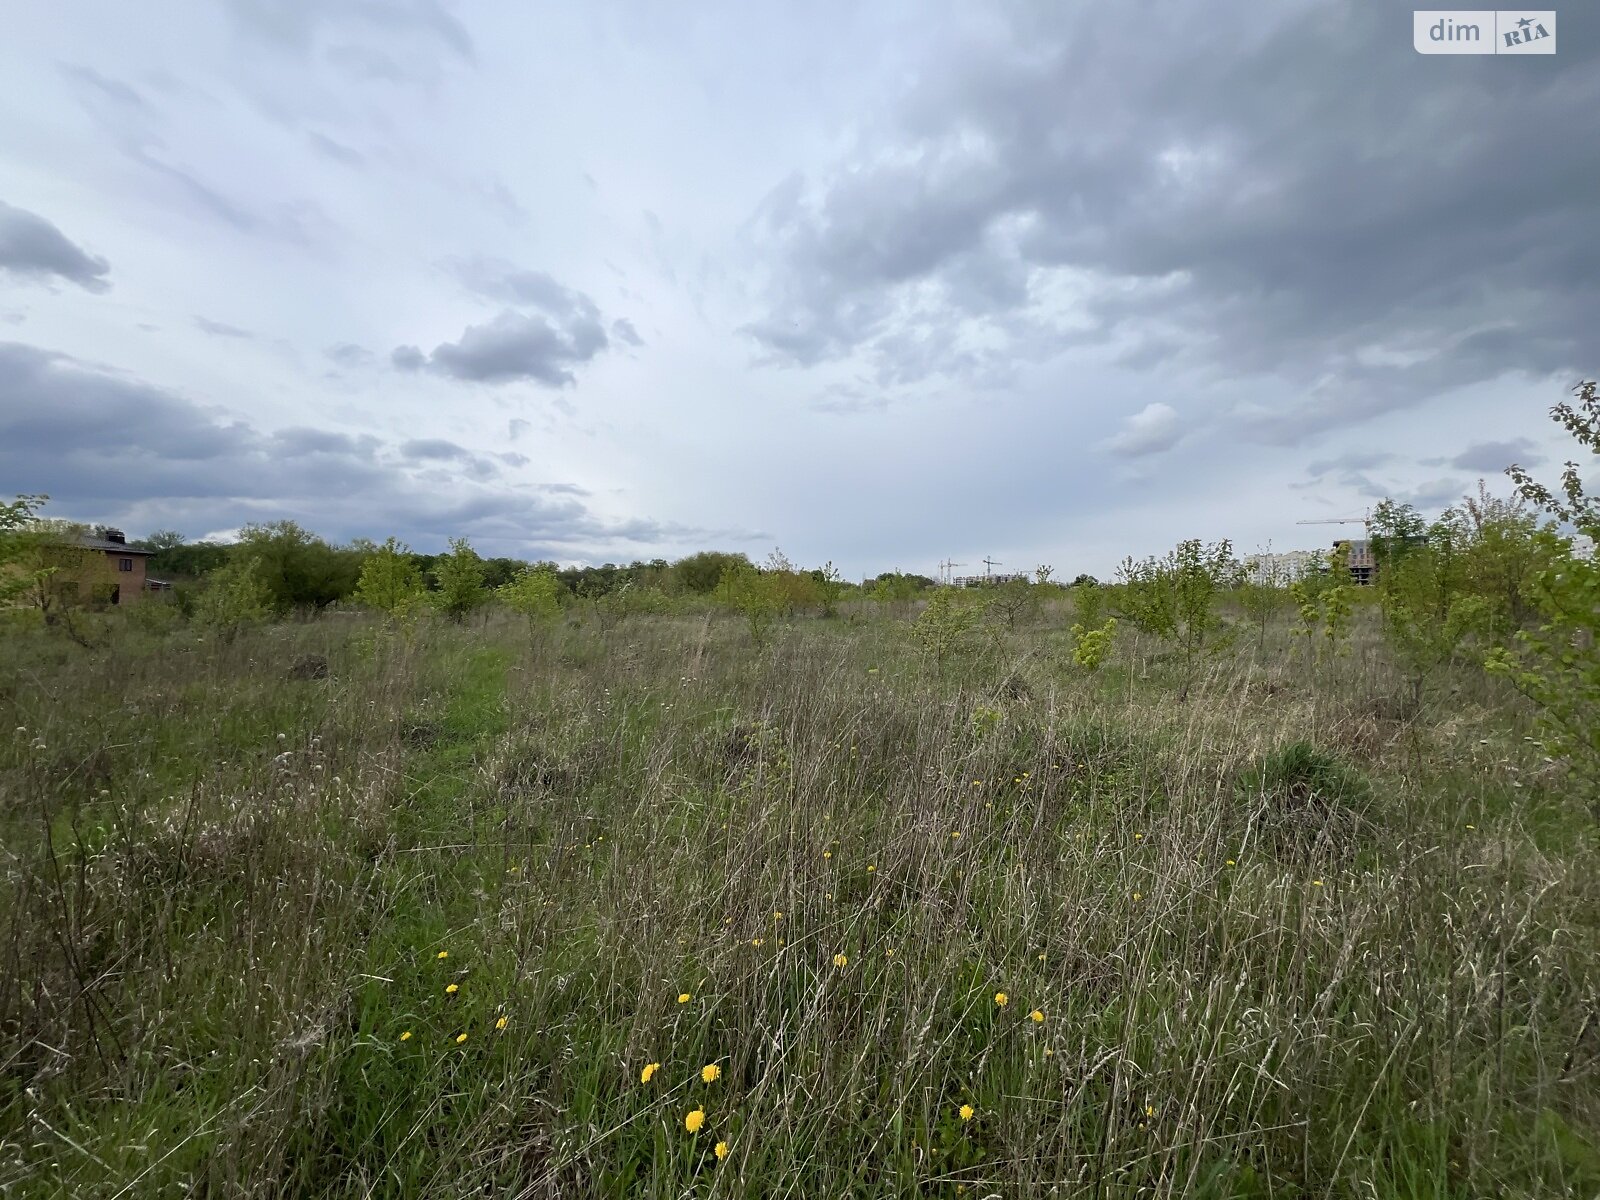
x=1555 y=664
x=235 y=597
x=391 y=582
x=1321 y=595
x=758 y=597
x=950 y=622
x=1092 y=646
x=1175 y=597
x=460 y=575
x=535 y=593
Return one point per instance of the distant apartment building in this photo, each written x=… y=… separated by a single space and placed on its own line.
x=1281 y=569
x=1582 y=546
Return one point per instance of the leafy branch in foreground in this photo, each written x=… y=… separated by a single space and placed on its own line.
x=1555 y=664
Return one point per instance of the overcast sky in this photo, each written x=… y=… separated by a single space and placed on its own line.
x=879 y=283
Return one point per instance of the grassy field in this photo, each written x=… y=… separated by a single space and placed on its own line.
x=997 y=927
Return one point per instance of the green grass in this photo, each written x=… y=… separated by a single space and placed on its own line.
x=1286 y=940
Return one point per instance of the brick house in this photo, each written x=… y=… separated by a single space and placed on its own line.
x=124 y=564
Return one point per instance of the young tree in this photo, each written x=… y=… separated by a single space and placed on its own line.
x=747 y=591
x=460 y=574
x=1556 y=664
x=390 y=581
x=1175 y=598
x=535 y=592
x=949 y=622
x=21 y=569
x=235 y=597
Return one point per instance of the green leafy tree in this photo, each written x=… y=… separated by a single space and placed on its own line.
x=1555 y=663
x=1322 y=597
x=1015 y=600
x=460 y=575
x=390 y=581
x=235 y=597
x=1427 y=610
x=756 y=596
x=535 y=592
x=22 y=570
x=701 y=573
x=1175 y=598
x=1264 y=592
x=830 y=587
x=949 y=623
x=298 y=569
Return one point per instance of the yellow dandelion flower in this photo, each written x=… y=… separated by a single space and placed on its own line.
x=694 y=1120
x=871 y=867
x=1316 y=883
x=1149 y=1110
x=1049 y=1053
x=777 y=916
x=406 y=1036
x=710 y=1073
x=889 y=953
x=1138 y=837
x=452 y=989
x=1138 y=895
x=955 y=833
x=444 y=954
x=1001 y=999
x=684 y=997
x=840 y=960
x=756 y=941
x=1041 y=957
x=827 y=854
x=1036 y=1016
x=460 y=1037
x=649 y=1072
x=722 y=1147
x=501 y=1023
x=1231 y=863
x=968 y=1112
x=977 y=783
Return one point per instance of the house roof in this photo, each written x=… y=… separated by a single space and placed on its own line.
x=99 y=543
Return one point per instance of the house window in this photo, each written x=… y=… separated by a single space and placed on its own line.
x=124 y=564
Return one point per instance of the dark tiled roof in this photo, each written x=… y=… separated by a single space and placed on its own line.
x=97 y=543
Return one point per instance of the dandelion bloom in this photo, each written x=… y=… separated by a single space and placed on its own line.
x=955 y=833
x=757 y=941
x=1316 y=883
x=722 y=1151
x=1149 y=1110
x=967 y=1112
x=1138 y=895
x=1001 y=999
x=452 y=989
x=777 y=916
x=889 y=953
x=1036 y=1017
x=460 y=1037
x=827 y=854
x=839 y=960
x=650 y=1069
x=694 y=1120
x=501 y=1023
x=684 y=997
x=710 y=1073
x=872 y=866
x=444 y=954
x=406 y=1036
x=1231 y=863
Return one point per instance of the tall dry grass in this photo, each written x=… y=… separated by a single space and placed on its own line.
x=1290 y=938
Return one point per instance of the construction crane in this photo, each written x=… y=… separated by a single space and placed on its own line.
x=947 y=570
x=989 y=565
